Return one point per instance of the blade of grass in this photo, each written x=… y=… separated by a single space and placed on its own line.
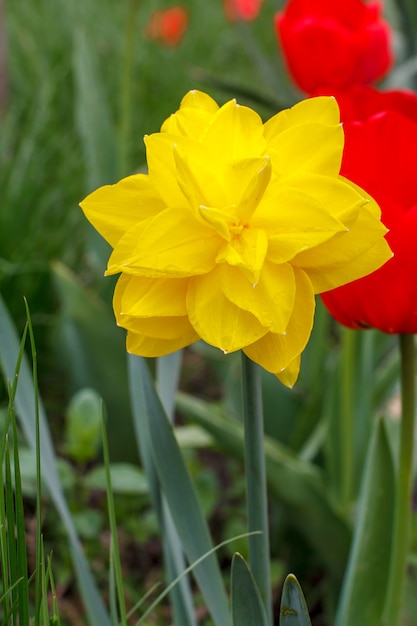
x=189 y=569
x=6 y=584
x=24 y=402
x=42 y=575
x=114 y=545
x=22 y=564
x=112 y=586
x=10 y=536
x=21 y=556
x=143 y=599
x=55 y=618
x=6 y=594
x=39 y=540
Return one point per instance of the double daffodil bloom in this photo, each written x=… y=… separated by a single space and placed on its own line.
x=235 y=228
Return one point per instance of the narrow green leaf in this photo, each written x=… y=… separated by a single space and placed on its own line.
x=168 y=370
x=247 y=605
x=93 y=114
x=55 y=620
x=25 y=409
x=180 y=494
x=87 y=335
x=14 y=565
x=114 y=545
x=39 y=539
x=293 y=611
x=41 y=573
x=5 y=599
x=189 y=569
x=364 y=588
x=22 y=564
x=10 y=536
x=293 y=481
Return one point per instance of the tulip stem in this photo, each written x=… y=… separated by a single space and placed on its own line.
x=257 y=503
x=402 y=513
x=347 y=422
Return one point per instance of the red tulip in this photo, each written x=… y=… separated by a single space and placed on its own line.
x=246 y=10
x=380 y=156
x=334 y=44
x=167 y=26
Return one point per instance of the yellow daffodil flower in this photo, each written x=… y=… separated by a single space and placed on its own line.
x=235 y=228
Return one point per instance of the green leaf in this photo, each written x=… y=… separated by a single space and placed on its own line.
x=93 y=115
x=247 y=605
x=179 y=492
x=294 y=482
x=168 y=369
x=83 y=424
x=293 y=611
x=95 y=356
x=25 y=408
x=364 y=588
x=125 y=478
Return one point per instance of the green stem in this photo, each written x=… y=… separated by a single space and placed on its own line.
x=402 y=513
x=347 y=418
x=257 y=504
x=409 y=19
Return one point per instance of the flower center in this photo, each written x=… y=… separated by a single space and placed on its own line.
x=236 y=228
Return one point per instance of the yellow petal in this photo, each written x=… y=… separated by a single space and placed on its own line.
x=159 y=326
x=235 y=133
x=216 y=320
x=192 y=118
x=162 y=168
x=338 y=196
x=271 y=301
x=289 y=376
x=200 y=100
x=153 y=347
x=323 y=109
x=246 y=251
x=113 y=209
x=199 y=175
x=148 y=297
x=295 y=221
x=172 y=244
x=276 y=352
x=307 y=148
x=169 y=328
x=223 y=221
x=253 y=176
x=348 y=256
